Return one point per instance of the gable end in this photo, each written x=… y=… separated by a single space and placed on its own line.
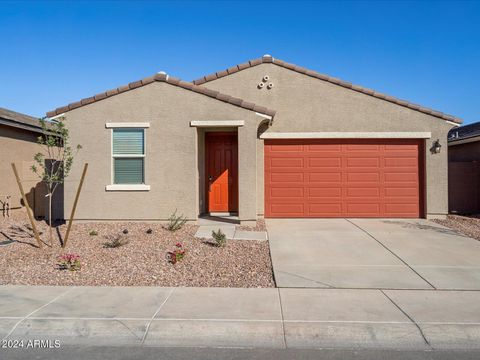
x=269 y=59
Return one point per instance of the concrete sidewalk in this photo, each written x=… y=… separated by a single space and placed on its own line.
x=245 y=318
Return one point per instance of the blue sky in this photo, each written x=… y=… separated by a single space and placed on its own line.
x=53 y=53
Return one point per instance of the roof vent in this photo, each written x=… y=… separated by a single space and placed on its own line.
x=163 y=73
x=267 y=58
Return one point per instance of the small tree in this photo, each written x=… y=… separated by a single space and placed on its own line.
x=54 y=162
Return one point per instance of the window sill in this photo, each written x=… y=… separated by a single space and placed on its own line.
x=128 y=187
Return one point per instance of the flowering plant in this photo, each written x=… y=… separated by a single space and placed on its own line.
x=177 y=254
x=69 y=262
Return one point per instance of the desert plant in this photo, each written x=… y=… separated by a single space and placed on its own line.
x=69 y=262
x=54 y=161
x=125 y=231
x=219 y=238
x=93 y=233
x=176 y=255
x=176 y=222
x=149 y=231
x=116 y=241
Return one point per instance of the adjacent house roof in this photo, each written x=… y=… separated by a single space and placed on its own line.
x=162 y=77
x=462 y=133
x=269 y=59
x=18 y=120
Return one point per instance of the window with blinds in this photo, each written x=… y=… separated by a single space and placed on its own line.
x=128 y=156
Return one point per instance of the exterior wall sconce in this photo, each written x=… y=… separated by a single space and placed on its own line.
x=436 y=147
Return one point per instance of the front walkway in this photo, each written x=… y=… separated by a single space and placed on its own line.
x=372 y=253
x=228 y=225
x=245 y=318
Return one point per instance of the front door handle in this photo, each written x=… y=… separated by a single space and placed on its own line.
x=210 y=178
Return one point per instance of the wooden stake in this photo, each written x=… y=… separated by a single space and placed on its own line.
x=85 y=167
x=37 y=236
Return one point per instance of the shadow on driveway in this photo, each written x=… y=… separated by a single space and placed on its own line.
x=422 y=226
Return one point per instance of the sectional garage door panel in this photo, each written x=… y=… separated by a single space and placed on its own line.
x=342 y=178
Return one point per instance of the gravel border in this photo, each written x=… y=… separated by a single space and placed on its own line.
x=467 y=225
x=141 y=262
x=260 y=226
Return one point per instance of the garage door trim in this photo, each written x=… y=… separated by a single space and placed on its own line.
x=400 y=180
x=346 y=135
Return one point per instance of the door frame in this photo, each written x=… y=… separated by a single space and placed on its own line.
x=210 y=134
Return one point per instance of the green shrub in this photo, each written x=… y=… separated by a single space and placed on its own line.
x=176 y=222
x=93 y=233
x=219 y=238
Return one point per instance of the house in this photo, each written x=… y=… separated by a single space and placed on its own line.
x=464 y=169
x=263 y=138
x=18 y=144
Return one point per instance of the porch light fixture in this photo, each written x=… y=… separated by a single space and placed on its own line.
x=436 y=147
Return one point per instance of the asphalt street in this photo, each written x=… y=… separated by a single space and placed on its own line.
x=156 y=353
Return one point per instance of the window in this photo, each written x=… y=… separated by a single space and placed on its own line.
x=128 y=151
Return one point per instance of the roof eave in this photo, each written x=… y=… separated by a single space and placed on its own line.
x=464 y=140
x=161 y=77
x=20 y=125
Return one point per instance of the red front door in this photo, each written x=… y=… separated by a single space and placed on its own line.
x=221 y=171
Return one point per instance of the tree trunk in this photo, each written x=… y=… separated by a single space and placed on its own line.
x=50 y=218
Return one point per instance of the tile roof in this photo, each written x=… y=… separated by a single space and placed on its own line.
x=271 y=60
x=162 y=77
x=16 y=119
x=464 y=132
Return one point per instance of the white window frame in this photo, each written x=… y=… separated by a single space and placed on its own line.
x=127 y=187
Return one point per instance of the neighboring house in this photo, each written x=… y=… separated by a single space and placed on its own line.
x=464 y=169
x=18 y=144
x=285 y=142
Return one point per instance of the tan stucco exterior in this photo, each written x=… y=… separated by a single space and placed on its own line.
x=19 y=146
x=307 y=104
x=174 y=154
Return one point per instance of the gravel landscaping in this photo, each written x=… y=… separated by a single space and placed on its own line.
x=467 y=225
x=260 y=226
x=142 y=261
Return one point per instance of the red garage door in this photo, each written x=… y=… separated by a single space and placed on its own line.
x=343 y=178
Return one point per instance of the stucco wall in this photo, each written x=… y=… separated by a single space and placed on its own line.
x=464 y=178
x=306 y=104
x=464 y=152
x=172 y=164
x=19 y=146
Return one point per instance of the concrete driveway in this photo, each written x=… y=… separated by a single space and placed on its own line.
x=372 y=253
